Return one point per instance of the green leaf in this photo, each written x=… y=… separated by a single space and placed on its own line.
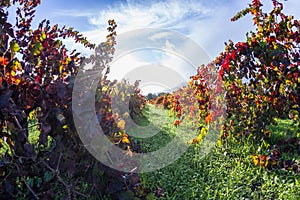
x=48 y=176
x=14 y=47
x=30 y=182
x=37 y=48
x=39 y=182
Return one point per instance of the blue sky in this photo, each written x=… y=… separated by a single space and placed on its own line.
x=207 y=22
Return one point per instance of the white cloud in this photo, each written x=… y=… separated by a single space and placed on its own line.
x=159 y=14
x=182 y=16
x=160 y=35
x=169 y=46
x=206 y=22
x=73 y=13
x=134 y=14
x=125 y=64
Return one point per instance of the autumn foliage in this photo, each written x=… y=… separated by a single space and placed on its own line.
x=261 y=75
x=242 y=92
x=37 y=74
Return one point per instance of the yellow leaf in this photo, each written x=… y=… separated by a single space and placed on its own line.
x=203 y=131
x=219 y=143
x=104 y=88
x=125 y=140
x=281 y=89
x=13 y=73
x=32 y=114
x=60 y=68
x=255 y=159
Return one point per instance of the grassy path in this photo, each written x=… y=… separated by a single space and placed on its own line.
x=162 y=130
x=226 y=172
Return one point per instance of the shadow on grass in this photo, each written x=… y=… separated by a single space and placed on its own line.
x=165 y=129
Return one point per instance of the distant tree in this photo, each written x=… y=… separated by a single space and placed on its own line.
x=151 y=96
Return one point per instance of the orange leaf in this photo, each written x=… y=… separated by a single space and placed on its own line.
x=125 y=139
x=3 y=61
x=177 y=122
x=195 y=141
x=207 y=119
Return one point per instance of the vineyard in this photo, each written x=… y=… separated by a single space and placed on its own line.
x=238 y=117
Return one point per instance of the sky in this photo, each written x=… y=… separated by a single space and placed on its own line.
x=205 y=22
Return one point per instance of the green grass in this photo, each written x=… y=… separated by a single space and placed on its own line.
x=226 y=172
x=284 y=129
x=161 y=120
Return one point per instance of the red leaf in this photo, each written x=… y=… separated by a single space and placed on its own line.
x=3 y=61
